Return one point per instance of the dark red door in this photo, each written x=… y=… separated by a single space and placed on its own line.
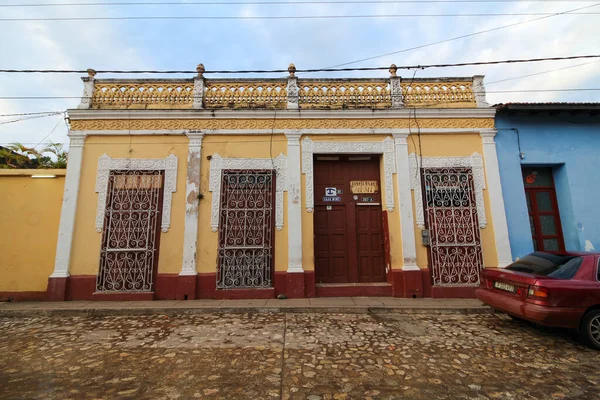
x=544 y=218
x=348 y=226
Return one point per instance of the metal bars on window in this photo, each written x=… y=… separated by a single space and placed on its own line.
x=451 y=217
x=129 y=252
x=246 y=229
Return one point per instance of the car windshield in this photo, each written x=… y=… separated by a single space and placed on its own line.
x=545 y=264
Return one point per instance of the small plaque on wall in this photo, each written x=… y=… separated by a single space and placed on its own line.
x=364 y=186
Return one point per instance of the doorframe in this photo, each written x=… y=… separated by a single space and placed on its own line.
x=107 y=164
x=218 y=164
x=384 y=147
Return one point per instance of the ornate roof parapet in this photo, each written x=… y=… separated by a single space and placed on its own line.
x=290 y=92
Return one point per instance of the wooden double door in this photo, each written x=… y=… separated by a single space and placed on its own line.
x=348 y=229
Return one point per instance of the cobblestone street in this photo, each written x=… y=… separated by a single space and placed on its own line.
x=292 y=356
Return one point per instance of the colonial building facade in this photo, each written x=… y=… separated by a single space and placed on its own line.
x=548 y=156
x=253 y=188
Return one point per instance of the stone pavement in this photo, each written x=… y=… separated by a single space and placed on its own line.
x=331 y=304
x=314 y=356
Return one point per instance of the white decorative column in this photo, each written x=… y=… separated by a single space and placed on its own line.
x=199 y=88
x=494 y=186
x=479 y=92
x=407 y=223
x=186 y=285
x=88 y=90
x=295 y=273
x=294 y=203
x=292 y=89
x=395 y=88
x=58 y=280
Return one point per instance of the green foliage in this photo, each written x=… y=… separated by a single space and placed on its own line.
x=19 y=156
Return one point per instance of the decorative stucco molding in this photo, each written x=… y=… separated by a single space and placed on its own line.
x=218 y=164
x=475 y=162
x=107 y=164
x=385 y=147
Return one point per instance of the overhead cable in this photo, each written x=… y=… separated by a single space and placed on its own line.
x=284 y=17
x=270 y=71
x=463 y=36
x=286 y=3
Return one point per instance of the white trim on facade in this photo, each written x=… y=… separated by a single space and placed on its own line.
x=218 y=163
x=107 y=164
x=82 y=114
x=294 y=202
x=175 y=132
x=192 y=190
x=409 y=247
x=385 y=147
x=475 y=162
x=69 y=207
x=492 y=171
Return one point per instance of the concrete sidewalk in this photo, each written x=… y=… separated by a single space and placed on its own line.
x=173 y=307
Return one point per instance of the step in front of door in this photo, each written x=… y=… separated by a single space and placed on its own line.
x=354 y=289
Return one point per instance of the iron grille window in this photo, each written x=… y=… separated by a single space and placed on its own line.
x=246 y=229
x=129 y=253
x=451 y=217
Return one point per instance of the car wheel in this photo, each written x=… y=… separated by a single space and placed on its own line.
x=590 y=329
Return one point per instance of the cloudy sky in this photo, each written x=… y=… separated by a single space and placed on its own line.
x=274 y=43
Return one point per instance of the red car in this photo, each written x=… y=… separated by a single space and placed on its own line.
x=559 y=290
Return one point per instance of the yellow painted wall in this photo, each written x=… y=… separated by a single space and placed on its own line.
x=29 y=218
x=85 y=254
x=454 y=145
x=234 y=146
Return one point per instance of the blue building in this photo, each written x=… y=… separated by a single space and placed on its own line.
x=549 y=160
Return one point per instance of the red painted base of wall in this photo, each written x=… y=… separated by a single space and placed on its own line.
x=341 y=290
x=57 y=289
x=23 y=296
x=186 y=287
x=295 y=285
x=203 y=286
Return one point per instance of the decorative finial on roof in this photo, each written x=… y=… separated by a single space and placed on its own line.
x=201 y=70
x=91 y=72
x=393 y=70
x=292 y=69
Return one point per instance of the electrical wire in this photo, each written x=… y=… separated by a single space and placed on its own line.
x=282 y=17
x=287 y=3
x=29 y=118
x=31 y=113
x=51 y=132
x=271 y=71
x=540 y=73
x=464 y=36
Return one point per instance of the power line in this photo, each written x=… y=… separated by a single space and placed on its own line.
x=540 y=73
x=287 y=3
x=278 y=17
x=464 y=36
x=407 y=67
x=31 y=113
x=474 y=92
x=27 y=118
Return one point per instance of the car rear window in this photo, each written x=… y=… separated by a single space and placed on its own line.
x=545 y=264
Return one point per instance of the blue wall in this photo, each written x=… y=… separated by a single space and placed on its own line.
x=571 y=145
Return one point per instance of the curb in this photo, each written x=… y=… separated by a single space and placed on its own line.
x=139 y=311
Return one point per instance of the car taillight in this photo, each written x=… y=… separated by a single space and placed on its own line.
x=538 y=293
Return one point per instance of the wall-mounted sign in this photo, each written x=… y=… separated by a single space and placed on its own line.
x=330 y=191
x=330 y=199
x=364 y=186
x=368 y=199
